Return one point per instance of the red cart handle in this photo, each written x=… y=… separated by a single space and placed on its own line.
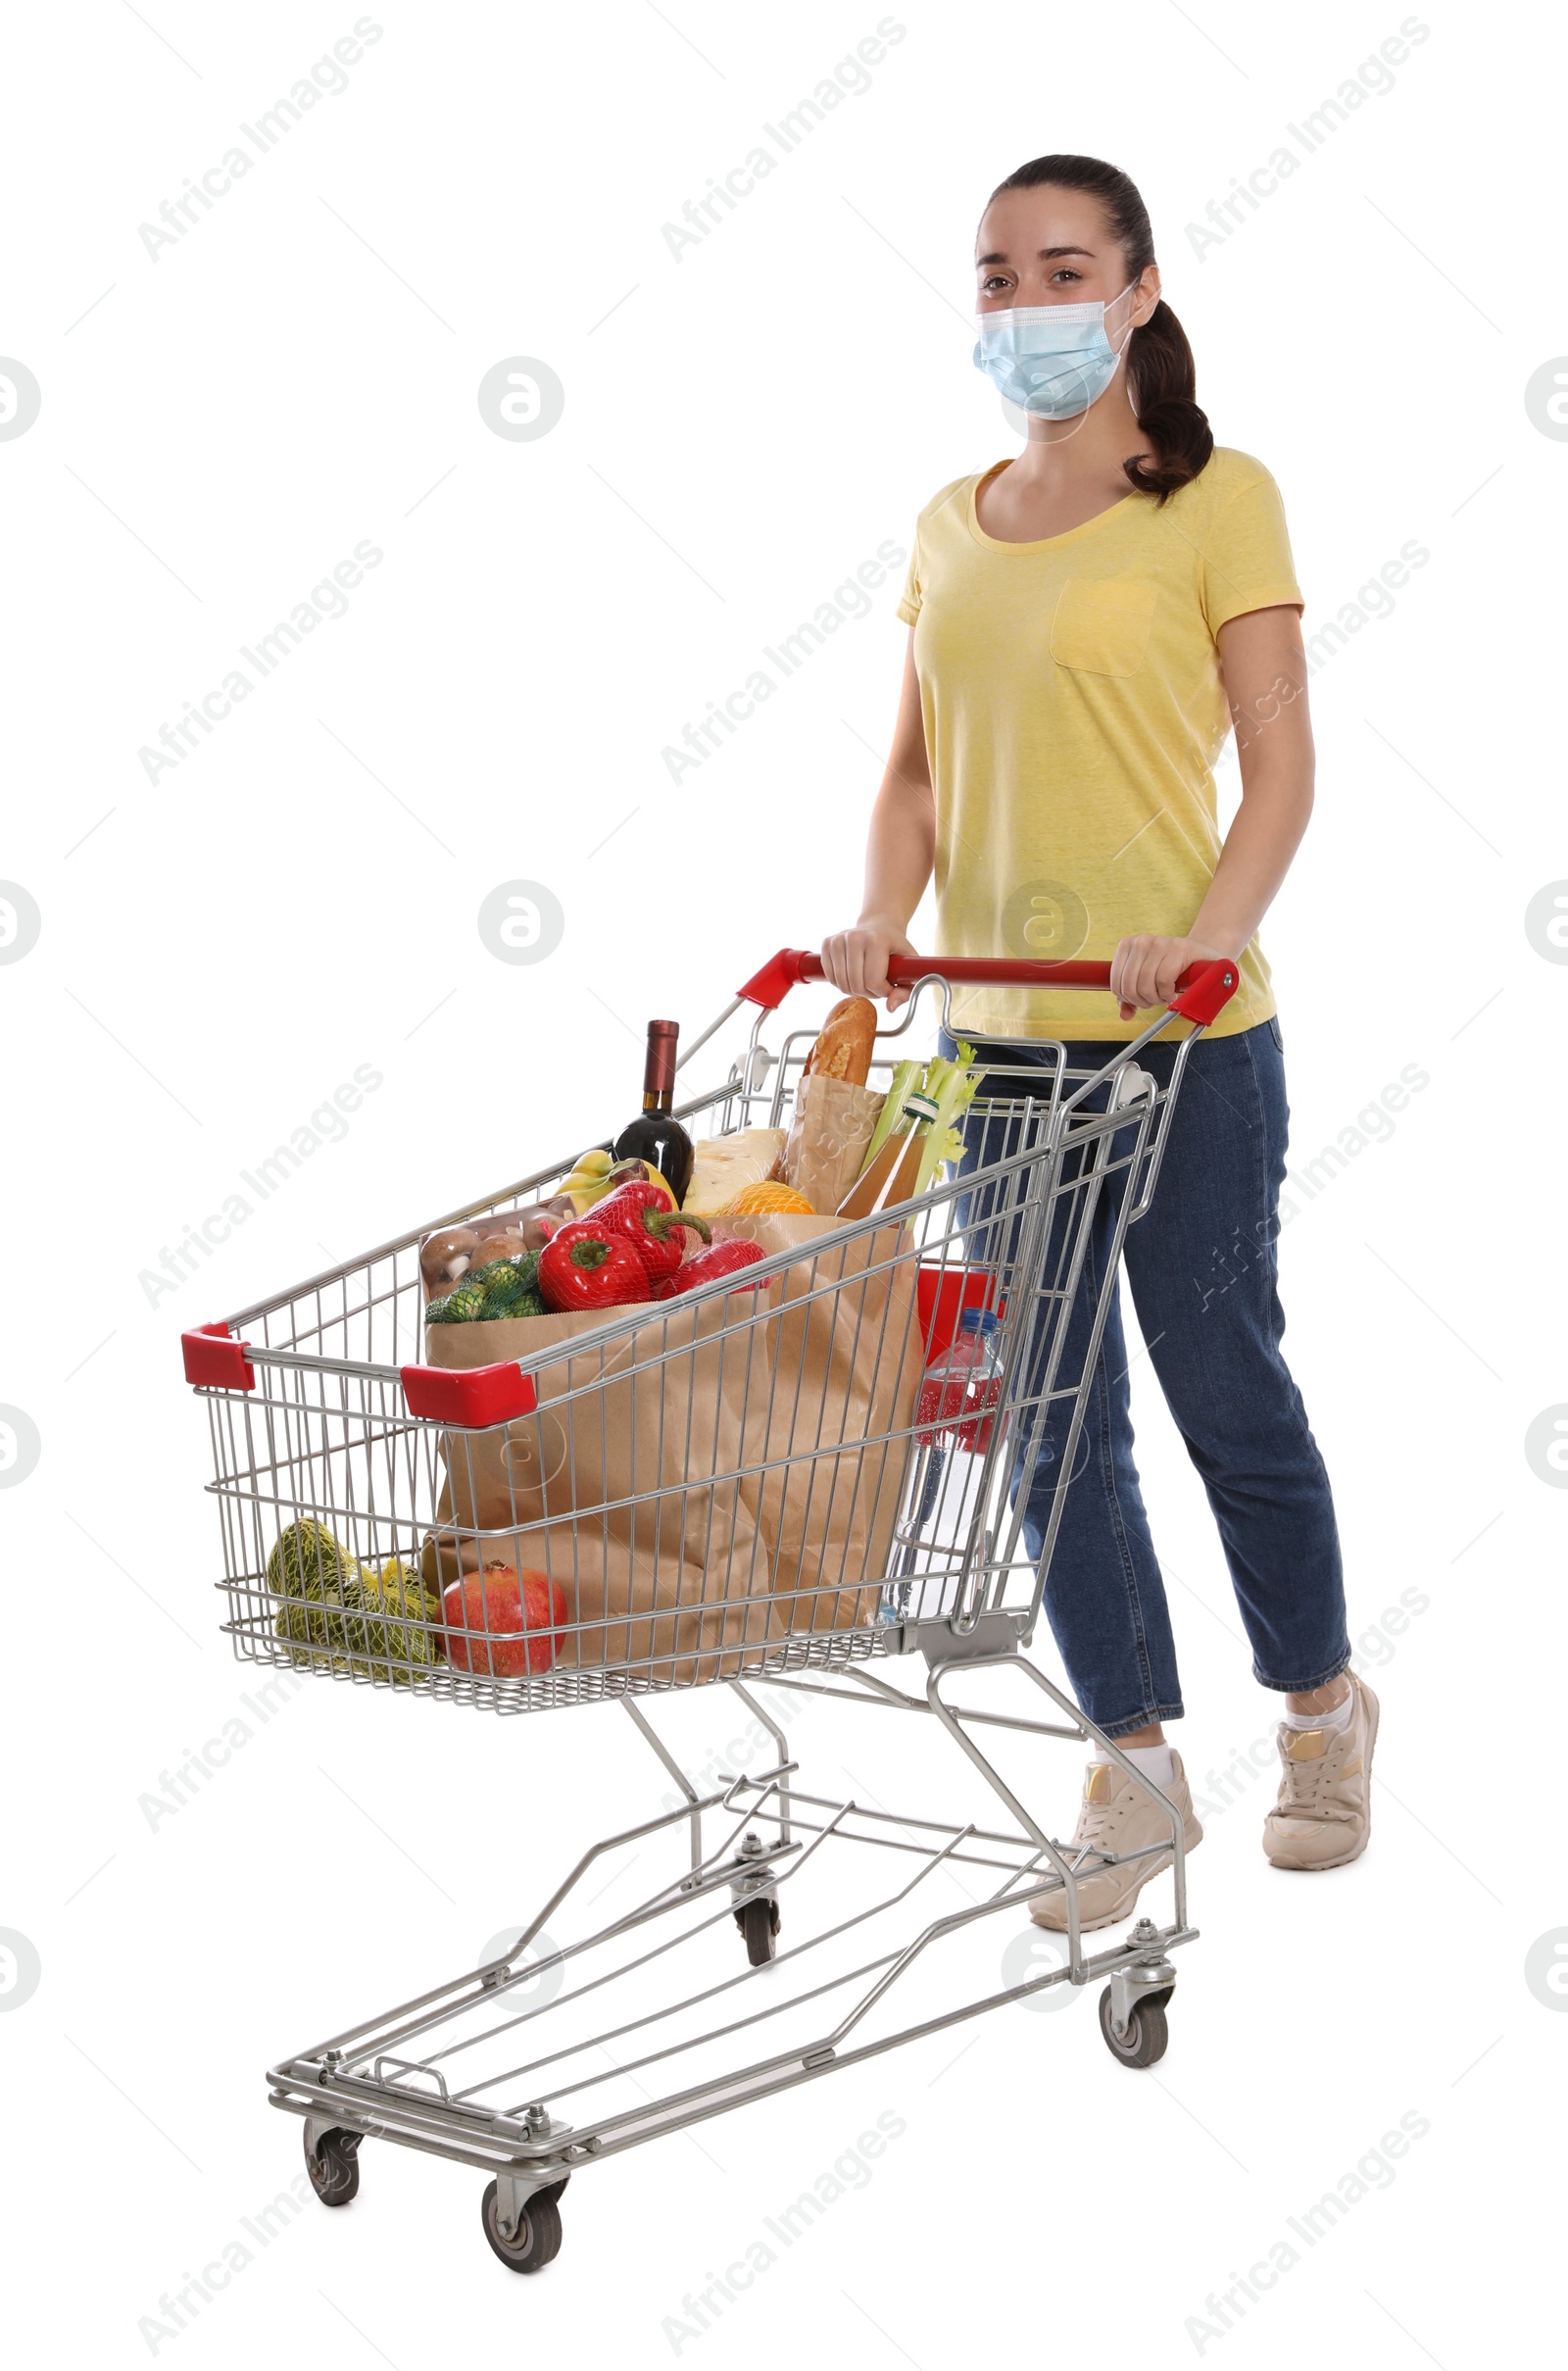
x=1201 y=992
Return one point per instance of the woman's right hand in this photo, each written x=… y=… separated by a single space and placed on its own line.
x=857 y=961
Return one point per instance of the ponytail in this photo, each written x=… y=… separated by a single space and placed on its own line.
x=1161 y=380
x=1163 y=385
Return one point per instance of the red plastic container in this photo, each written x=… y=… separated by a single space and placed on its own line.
x=941 y=1292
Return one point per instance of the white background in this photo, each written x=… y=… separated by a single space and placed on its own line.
x=222 y=947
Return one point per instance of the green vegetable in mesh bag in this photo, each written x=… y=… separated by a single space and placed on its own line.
x=308 y=1561
x=503 y=1293
x=504 y=1288
x=511 y=1287
x=516 y=1302
x=520 y=1274
x=317 y=1636
x=387 y=1627
x=315 y=1573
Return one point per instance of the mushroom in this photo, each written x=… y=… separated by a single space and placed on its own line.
x=446 y=1255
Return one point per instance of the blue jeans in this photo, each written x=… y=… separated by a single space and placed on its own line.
x=1201 y=1264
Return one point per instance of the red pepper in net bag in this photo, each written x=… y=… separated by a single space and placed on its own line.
x=640 y=1190
x=643 y=1216
x=725 y=1258
x=586 y=1267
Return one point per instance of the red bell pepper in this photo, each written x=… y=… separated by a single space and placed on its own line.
x=587 y=1266
x=644 y=1215
x=725 y=1258
x=637 y=1189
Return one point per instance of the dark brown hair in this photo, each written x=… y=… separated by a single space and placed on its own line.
x=1161 y=380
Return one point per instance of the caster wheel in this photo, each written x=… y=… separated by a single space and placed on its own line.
x=536 y=2242
x=1148 y=2033
x=334 y=2168
x=758 y=1923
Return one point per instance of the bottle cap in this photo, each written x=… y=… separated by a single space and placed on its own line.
x=658 y=1071
x=978 y=1320
x=922 y=1105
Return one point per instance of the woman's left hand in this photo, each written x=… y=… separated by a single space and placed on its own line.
x=1144 y=970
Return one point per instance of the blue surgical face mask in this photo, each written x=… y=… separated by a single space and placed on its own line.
x=1054 y=361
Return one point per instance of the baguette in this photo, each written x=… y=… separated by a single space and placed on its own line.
x=842 y=1048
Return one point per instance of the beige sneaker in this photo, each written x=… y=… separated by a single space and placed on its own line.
x=1117 y=1816
x=1324 y=1813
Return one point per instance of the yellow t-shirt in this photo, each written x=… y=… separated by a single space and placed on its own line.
x=1073 y=714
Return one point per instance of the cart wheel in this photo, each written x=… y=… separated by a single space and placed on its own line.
x=1147 y=2031
x=537 y=2240
x=334 y=2168
x=758 y=1923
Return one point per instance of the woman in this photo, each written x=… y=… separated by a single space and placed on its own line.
x=1085 y=621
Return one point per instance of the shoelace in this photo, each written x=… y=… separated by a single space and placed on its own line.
x=1304 y=1783
x=1096 y=1829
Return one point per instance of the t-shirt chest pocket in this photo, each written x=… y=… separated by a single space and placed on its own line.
x=1101 y=625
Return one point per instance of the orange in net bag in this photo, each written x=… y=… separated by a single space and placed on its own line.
x=767 y=1196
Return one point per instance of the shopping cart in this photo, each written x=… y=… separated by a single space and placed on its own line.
x=712 y=1517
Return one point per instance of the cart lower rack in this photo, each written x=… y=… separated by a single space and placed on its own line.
x=755 y=1487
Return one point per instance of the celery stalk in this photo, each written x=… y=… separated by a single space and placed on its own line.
x=953 y=1086
x=905 y=1081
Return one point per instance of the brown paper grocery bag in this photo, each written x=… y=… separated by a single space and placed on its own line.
x=825 y=1150
x=719 y=1477
x=624 y=1609
x=847 y=1370
x=622 y=1484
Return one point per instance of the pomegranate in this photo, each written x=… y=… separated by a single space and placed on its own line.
x=520 y=1612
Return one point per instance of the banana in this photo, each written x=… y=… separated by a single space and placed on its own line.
x=590 y=1180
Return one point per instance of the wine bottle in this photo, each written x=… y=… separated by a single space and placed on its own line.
x=655 y=1135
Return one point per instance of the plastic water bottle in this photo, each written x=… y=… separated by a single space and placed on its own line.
x=959 y=1392
x=955 y=1416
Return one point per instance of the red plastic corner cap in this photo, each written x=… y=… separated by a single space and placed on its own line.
x=1208 y=990
x=778 y=975
x=215 y=1361
x=475 y=1395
